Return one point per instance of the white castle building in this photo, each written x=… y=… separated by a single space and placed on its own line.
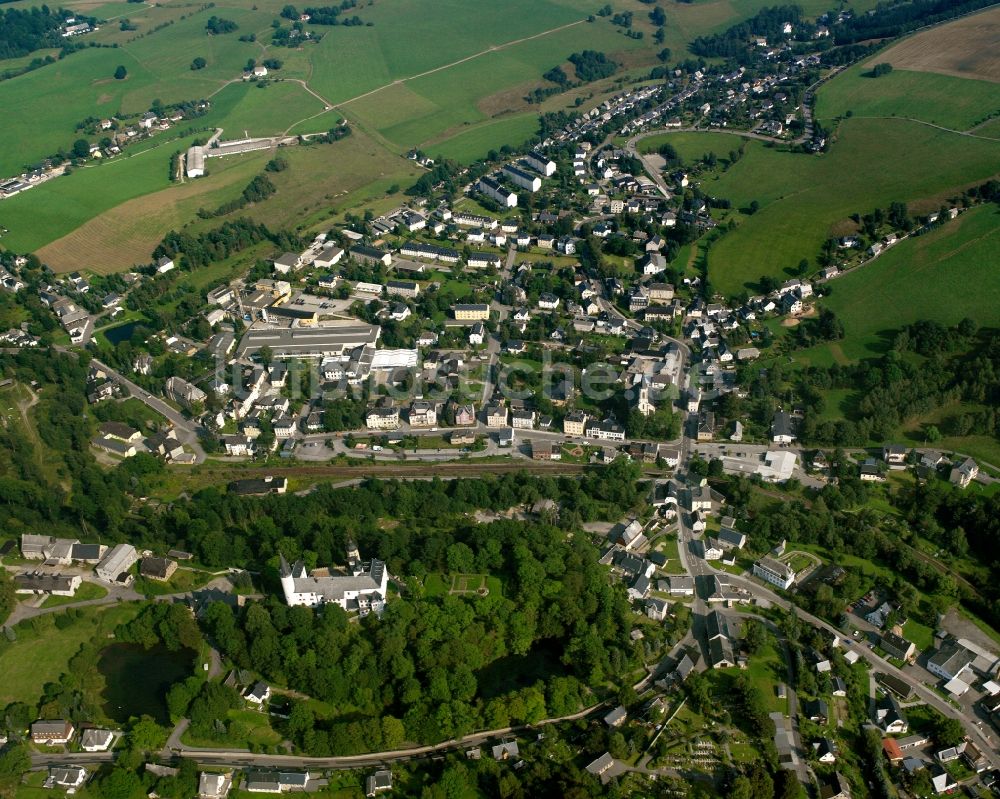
x=365 y=589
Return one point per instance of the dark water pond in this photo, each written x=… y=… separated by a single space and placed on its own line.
x=138 y=679
x=116 y=335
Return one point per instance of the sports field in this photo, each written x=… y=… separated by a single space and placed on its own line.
x=805 y=199
x=944 y=275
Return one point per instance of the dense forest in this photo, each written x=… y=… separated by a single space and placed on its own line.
x=435 y=668
x=736 y=40
x=958 y=364
x=221 y=242
x=257 y=190
x=24 y=31
x=889 y=21
x=592 y=65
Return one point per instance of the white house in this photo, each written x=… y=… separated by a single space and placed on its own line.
x=774 y=572
x=364 y=590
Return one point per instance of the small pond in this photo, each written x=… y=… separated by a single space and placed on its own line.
x=116 y=335
x=138 y=679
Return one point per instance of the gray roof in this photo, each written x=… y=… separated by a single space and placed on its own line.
x=716 y=625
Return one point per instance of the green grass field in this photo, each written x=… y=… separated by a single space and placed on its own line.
x=41 y=655
x=805 y=199
x=85 y=592
x=691 y=146
x=945 y=275
x=957 y=103
x=766 y=669
x=246 y=108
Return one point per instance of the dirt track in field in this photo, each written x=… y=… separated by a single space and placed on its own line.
x=966 y=48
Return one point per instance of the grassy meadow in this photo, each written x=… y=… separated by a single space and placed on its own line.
x=806 y=199
x=122 y=234
x=956 y=103
x=945 y=275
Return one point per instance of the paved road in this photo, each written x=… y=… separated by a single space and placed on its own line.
x=930 y=696
x=229 y=757
x=186 y=430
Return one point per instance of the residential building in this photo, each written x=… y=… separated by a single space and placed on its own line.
x=607 y=430
x=266 y=781
x=214 y=786
x=781 y=428
x=890 y=717
x=472 y=312
x=379 y=782
x=522 y=179
x=522 y=419
x=55 y=731
x=895 y=456
x=258 y=693
x=897 y=646
x=65 y=778
x=834 y=786
x=403 y=288
x=184 y=393
x=540 y=163
x=370 y=255
x=477 y=334
x=601 y=765
x=963 y=473
x=774 y=572
x=616 y=717
x=382 y=417
x=574 y=423
x=497 y=192
x=96 y=740
x=422 y=414
x=496 y=415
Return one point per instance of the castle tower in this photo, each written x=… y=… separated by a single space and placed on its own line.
x=353 y=555
x=287 y=580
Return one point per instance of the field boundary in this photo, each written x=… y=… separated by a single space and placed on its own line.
x=495 y=48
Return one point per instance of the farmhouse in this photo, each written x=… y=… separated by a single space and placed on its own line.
x=48 y=583
x=157 y=568
x=115 y=565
